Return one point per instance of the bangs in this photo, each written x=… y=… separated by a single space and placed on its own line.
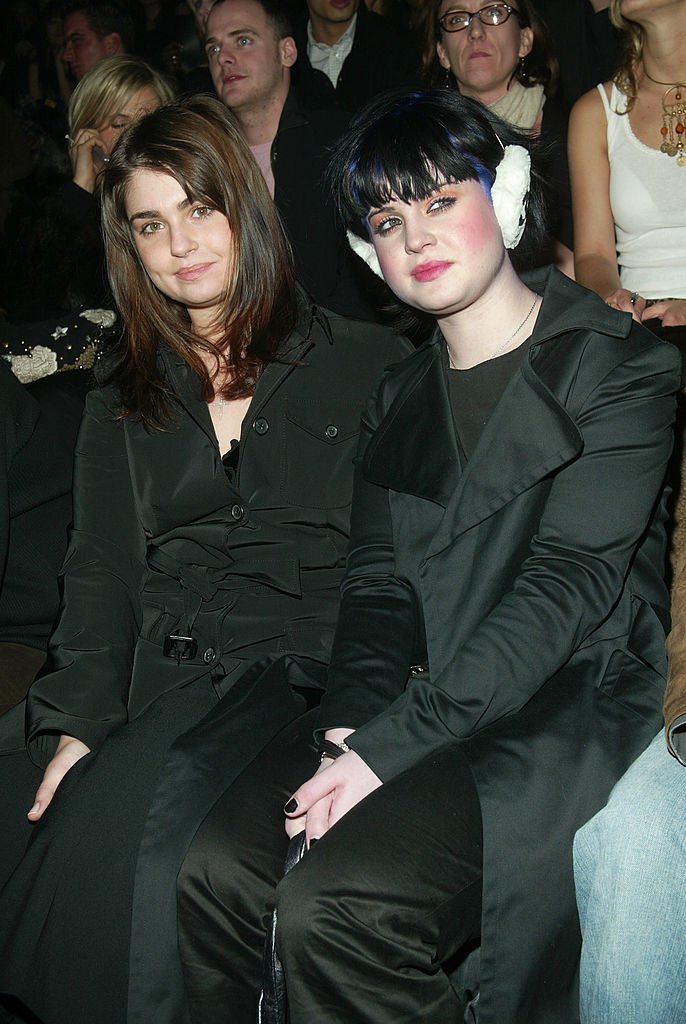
x=405 y=156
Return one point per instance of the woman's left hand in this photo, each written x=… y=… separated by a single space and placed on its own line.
x=330 y=793
x=672 y=314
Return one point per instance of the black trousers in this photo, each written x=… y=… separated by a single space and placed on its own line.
x=367 y=917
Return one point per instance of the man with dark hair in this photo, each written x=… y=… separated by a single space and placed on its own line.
x=251 y=51
x=347 y=54
x=93 y=31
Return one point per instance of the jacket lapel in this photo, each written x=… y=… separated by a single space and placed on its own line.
x=415 y=447
x=529 y=435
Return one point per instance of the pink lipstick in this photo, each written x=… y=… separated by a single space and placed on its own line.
x=430 y=270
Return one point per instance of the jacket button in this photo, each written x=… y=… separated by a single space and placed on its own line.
x=331 y=431
x=261 y=426
x=237 y=512
x=209 y=655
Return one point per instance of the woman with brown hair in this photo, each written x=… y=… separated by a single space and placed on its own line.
x=212 y=490
x=500 y=55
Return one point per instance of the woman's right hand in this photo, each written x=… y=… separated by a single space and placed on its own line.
x=85 y=164
x=627 y=302
x=69 y=751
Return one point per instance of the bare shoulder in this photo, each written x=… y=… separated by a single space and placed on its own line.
x=589 y=108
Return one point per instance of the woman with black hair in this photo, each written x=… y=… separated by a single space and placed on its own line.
x=499 y=653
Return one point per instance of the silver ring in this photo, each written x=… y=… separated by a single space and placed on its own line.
x=633 y=296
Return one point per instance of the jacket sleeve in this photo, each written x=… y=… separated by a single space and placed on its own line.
x=376 y=631
x=597 y=510
x=675 y=697
x=83 y=689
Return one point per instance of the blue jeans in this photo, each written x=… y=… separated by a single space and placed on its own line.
x=630 y=874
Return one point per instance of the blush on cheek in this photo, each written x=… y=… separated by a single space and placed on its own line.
x=478 y=232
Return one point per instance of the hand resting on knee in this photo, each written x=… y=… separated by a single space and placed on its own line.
x=69 y=751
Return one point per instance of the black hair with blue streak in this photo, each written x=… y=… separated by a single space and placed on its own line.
x=405 y=144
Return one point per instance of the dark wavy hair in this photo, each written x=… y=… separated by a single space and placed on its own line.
x=540 y=67
x=197 y=141
x=405 y=144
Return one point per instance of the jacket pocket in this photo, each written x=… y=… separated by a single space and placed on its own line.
x=317 y=451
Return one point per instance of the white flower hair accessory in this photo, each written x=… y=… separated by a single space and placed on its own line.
x=366 y=251
x=509 y=192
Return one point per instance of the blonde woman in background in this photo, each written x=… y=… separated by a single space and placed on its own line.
x=63 y=249
x=627 y=158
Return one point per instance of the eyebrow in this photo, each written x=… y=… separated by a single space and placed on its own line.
x=379 y=209
x=234 y=32
x=145 y=214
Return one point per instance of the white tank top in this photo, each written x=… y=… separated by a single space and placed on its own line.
x=648 y=201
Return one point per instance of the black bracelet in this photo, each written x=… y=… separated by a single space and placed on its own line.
x=333 y=750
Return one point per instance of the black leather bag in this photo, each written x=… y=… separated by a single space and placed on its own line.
x=273 y=1007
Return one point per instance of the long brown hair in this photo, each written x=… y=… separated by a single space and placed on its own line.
x=198 y=142
x=540 y=67
x=633 y=37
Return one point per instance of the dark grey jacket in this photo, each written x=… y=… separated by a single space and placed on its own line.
x=530 y=581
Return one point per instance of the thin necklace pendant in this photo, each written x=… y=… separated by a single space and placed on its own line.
x=499 y=351
x=504 y=345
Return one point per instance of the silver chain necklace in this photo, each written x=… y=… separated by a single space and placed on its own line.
x=514 y=334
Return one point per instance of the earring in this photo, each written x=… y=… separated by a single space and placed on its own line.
x=447 y=82
x=523 y=74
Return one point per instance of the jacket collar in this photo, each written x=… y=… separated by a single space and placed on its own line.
x=293 y=113
x=312 y=327
x=529 y=434
x=567 y=307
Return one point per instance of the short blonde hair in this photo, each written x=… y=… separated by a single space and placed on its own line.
x=106 y=89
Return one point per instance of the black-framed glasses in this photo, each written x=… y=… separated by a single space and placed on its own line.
x=492 y=14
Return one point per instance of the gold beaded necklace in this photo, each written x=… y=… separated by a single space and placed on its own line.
x=673 y=128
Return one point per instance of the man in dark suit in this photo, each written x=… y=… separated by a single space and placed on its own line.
x=251 y=51
x=347 y=54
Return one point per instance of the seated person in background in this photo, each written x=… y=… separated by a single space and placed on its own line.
x=500 y=55
x=348 y=54
x=212 y=489
x=499 y=654
x=61 y=266
x=626 y=157
x=630 y=865
x=93 y=31
x=289 y=142
x=38 y=427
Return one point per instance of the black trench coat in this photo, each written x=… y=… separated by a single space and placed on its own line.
x=530 y=583
x=245 y=574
